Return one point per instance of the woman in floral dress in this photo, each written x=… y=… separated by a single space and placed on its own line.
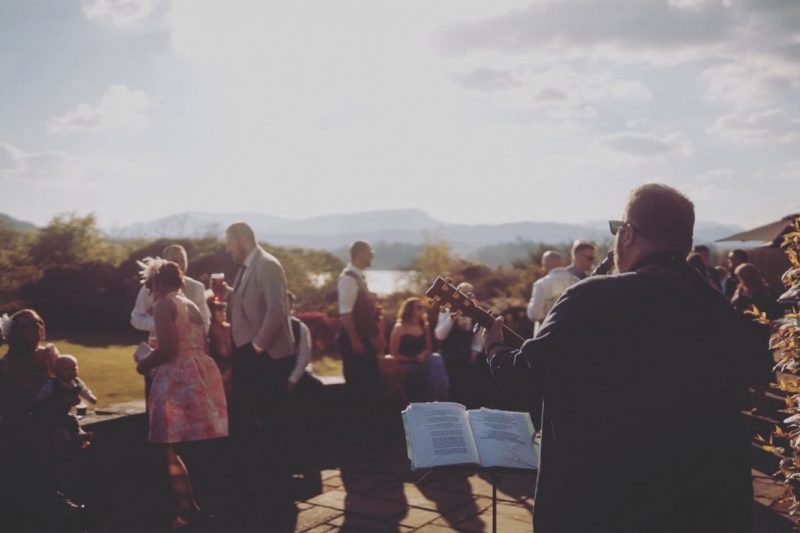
x=186 y=399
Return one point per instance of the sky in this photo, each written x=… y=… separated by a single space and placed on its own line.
x=472 y=110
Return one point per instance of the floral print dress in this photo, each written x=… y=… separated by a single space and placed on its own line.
x=187 y=398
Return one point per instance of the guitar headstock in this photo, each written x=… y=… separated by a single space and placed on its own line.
x=447 y=295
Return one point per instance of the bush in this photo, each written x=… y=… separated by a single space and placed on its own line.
x=89 y=297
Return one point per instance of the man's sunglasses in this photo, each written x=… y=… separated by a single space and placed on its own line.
x=614 y=225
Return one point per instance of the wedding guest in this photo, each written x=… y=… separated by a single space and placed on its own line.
x=460 y=346
x=551 y=259
x=187 y=398
x=263 y=353
x=643 y=376
x=360 y=340
x=142 y=313
x=545 y=291
x=220 y=344
x=712 y=275
x=695 y=260
x=423 y=372
x=303 y=345
x=56 y=399
x=753 y=291
x=26 y=452
x=735 y=258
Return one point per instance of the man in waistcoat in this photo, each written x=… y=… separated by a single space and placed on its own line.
x=360 y=339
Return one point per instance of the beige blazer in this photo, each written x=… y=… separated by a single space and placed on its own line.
x=258 y=307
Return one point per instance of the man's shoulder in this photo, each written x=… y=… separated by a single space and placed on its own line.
x=263 y=260
x=264 y=255
x=598 y=285
x=192 y=283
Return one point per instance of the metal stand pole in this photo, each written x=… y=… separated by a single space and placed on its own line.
x=494 y=502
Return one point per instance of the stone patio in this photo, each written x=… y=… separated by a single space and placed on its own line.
x=352 y=487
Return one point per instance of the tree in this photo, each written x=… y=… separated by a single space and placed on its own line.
x=15 y=265
x=433 y=260
x=70 y=241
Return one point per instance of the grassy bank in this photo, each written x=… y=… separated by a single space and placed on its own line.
x=107 y=367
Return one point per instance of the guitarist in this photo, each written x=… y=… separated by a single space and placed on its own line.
x=642 y=379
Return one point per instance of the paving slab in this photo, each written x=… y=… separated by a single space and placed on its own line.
x=359 y=504
x=354 y=522
x=314 y=516
x=459 y=514
x=431 y=498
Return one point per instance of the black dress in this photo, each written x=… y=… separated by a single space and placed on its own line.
x=415 y=375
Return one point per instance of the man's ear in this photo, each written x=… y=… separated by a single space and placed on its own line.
x=629 y=237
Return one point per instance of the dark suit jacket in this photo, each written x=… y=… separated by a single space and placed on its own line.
x=642 y=380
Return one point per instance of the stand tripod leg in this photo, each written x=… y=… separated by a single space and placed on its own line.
x=494 y=502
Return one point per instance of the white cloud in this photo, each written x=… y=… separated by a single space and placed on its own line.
x=715 y=175
x=48 y=165
x=487 y=79
x=696 y=4
x=119 y=108
x=647 y=144
x=752 y=81
x=772 y=126
x=790 y=171
x=118 y=12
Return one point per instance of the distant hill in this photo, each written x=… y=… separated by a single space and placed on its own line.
x=7 y=220
x=403 y=231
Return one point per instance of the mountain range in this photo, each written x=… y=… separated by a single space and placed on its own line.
x=411 y=227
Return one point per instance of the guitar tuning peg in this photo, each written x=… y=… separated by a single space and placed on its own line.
x=449 y=281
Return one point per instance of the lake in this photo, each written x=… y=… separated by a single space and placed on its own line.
x=385 y=282
x=382 y=282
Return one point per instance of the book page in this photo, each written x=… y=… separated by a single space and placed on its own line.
x=438 y=434
x=504 y=438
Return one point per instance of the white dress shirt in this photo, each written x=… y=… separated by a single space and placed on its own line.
x=546 y=291
x=303 y=354
x=142 y=313
x=445 y=323
x=348 y=289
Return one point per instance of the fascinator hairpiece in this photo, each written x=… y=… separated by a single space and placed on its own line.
x=149 y=268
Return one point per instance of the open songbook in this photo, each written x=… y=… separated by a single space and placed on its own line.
x=445 y=433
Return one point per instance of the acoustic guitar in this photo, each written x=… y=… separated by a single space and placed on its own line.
x=445 y=294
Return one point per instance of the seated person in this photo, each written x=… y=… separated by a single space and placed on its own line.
x=57 y=397
x=423 y=372
x=29 y=493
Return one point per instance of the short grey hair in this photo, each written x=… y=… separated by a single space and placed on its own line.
x=663 y=216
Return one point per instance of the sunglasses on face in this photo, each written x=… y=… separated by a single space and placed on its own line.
x=615 y=225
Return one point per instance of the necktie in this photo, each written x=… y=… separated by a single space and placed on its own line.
x=239 y=277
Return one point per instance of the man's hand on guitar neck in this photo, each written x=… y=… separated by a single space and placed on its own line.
x=493 y=339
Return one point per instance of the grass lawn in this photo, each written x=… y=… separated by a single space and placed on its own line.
x=107 y=367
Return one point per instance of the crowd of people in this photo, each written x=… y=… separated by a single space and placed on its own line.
x=640 y=374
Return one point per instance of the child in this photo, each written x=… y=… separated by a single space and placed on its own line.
x=59 y=395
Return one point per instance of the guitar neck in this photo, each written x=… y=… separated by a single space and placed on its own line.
x=443 y=292
x=510 y=337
